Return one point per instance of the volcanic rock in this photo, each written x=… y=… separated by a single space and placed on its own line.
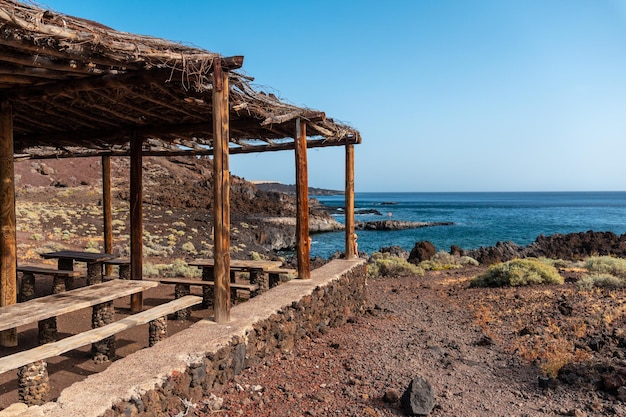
x=418 y=399
x=422 y=251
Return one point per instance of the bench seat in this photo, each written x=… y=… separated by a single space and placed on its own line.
x=193 y=281
x=62 y=279
x=48 y=271
x=183 y=287
x=57 y=348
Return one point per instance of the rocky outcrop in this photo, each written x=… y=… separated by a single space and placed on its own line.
x=572 y=246
x=501 y=252
x=396 y=251
x=396 y=225
x=422 y=251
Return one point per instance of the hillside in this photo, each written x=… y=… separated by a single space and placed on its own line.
x=59 y=204
x=291 y=189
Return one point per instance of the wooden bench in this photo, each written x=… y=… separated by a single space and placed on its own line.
x=61 y=280
x=123 y=265
x=274 y=275
x=45 y=309
x=258 y=270
x=182 y=288
x=33 y=360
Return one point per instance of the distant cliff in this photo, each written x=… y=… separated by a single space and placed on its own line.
x=291 y=189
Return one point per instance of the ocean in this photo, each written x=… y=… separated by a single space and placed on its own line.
x=480 y=219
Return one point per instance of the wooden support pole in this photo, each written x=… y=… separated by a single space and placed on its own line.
x=221 y=194
x=303 y=242
x=8 y=240
x=136 y=218
x=351 y=247
x=107 y=210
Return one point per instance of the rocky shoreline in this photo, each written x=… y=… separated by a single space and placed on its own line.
x=571 y=246
x=396 y=225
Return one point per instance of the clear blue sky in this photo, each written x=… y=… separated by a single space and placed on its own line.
x=449 y=95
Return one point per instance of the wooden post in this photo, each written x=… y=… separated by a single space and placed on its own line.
x=351 y=248
x=303 y=242
x=221 y=194
x=8 y=240
x=136 y=218
x=107 y=210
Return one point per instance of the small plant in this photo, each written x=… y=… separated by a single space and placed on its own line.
x=36 y=237
x=189 y=247
x=92 y=246
x=598 y=280
x=443 y=260
x=386 y=265
x=180 y=268
x=256 y=256
x=518 y=272
x=607 y=265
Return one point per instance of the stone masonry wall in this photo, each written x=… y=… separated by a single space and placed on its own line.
x=326 y=306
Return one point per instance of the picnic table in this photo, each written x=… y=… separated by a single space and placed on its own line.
x=32 y=363
x=45 y=309
x=66 y=259
x=257 y=269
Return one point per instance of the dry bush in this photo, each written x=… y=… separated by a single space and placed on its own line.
x=443 y=261
x=599 y=280
x=518 y=272
x=549 y=351
x=607 y=265
x=386 y=265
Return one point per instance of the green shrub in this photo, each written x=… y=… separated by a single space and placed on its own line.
x=443 y=260
x=189 y=247
x=178 y=268
x=558 y=263
x=599 y=280
x=468 y=260
x=150 y=270
x=518 y=272
x=385 y=265
x=256 y=256
x=607 y=265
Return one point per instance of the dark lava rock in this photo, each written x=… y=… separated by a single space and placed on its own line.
x=422 y=251
x=396 y=251
x=418 y=399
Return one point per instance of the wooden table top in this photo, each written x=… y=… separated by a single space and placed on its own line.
x=78 y=256
x=238 y=264
x=15 y=315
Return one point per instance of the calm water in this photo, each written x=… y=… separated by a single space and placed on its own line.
x=480 y=219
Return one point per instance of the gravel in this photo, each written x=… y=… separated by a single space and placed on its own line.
x=427 y=327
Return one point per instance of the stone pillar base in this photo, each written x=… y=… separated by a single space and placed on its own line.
x=48 y=330
x=157 y=331
x=104 y=350
x=33 y=383
x=27 y=288
x=181 y=290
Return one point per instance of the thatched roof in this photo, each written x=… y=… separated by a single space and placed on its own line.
x=80 y=88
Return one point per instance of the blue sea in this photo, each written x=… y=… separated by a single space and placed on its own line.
x=480 y=219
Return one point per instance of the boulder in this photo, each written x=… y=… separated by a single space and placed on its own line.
x=419 y=398
x=396 y=251
x=422 y=251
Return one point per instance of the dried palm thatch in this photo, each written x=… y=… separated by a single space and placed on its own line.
x=80 y=88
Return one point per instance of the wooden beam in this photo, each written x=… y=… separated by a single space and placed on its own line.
x=303 y=242
x=221 y=196
x=351 y=247
x=230 y=63
x=136 y=218
x=87 y=84
x=107 y=210
x=8 y=240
